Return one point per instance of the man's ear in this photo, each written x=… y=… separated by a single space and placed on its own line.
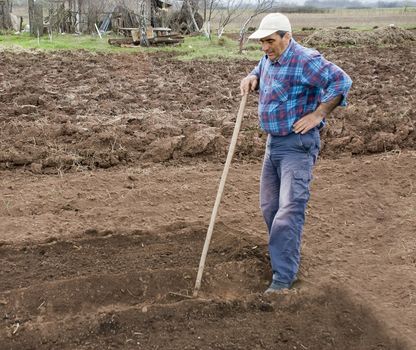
x=288 y=35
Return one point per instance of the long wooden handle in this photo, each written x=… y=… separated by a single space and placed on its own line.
x=219 y=194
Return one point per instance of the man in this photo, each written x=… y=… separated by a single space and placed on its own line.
x=298 y=89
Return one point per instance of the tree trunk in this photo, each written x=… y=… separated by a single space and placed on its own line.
x=191 y=15
x=5 y=9
x=242 y=36
x=78 y=16
x=35 y=17
x=207 y=29
x=143 y=26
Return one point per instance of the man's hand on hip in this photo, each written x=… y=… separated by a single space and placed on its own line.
x=308 y=122
x=248 y=84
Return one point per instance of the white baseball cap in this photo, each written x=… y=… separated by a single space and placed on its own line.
x=270 y=24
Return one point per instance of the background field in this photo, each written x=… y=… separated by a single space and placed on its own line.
x=354 y=18
x=363 y=19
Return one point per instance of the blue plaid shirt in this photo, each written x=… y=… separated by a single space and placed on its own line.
x=294 y=85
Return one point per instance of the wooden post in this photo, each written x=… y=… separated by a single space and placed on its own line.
x=35 y=17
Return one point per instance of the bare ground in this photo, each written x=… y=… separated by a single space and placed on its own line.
x=109 y=170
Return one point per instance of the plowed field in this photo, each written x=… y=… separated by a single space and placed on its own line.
x=109 y=168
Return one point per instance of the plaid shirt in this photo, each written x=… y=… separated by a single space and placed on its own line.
x=294 y=85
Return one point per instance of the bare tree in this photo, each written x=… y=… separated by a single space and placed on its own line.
x=77 y=15
x=187 y=19
x=192 y=8
x=261 y=7
x=5 y=10
x=143 y=26
x=209 y=7
x=35 y=17
x=231 y=12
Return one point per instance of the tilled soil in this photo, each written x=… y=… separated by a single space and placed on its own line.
x=79 y=110
x=109 y=171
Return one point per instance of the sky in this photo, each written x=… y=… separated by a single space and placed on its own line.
x=301 y=2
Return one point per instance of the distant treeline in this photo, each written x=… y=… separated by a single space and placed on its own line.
x=324 y=5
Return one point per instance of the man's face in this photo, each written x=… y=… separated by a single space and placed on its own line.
x=273 y=45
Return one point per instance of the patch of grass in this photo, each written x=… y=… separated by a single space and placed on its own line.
x=197 y=47
x=201 y=47
x=58 y=42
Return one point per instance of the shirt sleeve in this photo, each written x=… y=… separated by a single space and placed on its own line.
x=326 y=75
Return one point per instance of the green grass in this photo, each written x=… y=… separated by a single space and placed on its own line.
x=201 y=48
x=216 y=49
x=58 y=42
x=193 y=48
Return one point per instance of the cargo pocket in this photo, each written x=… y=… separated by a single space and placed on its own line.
x=300 y=185
x=307 y=141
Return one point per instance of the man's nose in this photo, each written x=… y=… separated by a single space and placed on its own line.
x=264 y=47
